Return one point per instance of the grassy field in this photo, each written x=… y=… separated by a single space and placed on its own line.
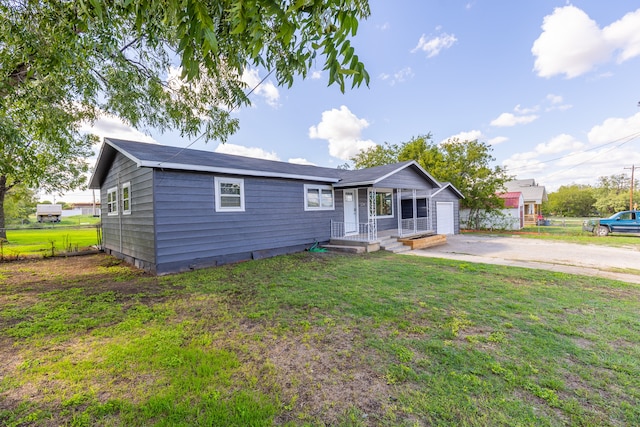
x=316 y=339
x=570 y=230
x=48 y=241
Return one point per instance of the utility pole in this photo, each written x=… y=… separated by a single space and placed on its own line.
x=633 y=168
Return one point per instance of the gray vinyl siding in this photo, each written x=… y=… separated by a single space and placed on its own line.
x=131 y=235
x=406 y=178
x=447 y=196
x=189 y=230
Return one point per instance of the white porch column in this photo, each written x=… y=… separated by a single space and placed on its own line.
x=371 y=218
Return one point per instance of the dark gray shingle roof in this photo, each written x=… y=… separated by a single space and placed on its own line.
x=167 y=157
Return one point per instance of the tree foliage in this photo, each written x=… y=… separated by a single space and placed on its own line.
x=64 y=63
x=571 y=200
x=612 y=194
x=465 y=164
x=19 y=204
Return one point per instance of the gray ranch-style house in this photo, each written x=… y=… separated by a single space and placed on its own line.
x=167 y=209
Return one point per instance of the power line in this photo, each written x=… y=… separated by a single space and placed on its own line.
x=625 y=140
x=230 y=110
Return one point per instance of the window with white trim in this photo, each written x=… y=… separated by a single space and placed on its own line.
x=384 y=203
x=112 y=201
x=229 y=194
x=126 y=198
x=318 y=198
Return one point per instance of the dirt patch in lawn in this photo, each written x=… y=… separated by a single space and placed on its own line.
x=324 y=374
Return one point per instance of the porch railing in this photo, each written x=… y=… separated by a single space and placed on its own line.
x=414 y=225
x=360 y=232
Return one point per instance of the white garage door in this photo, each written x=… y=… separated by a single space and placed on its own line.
x=444 y=212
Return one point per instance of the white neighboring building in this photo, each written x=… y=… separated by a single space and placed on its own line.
x=534 y=194
x=509 y=218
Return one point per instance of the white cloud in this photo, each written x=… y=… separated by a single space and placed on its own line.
x=523 y=164
x=384 y=26
x=241 y=150
x=509 y=119
x=266 y=89
x=108 y=126
x=315 y=75
x=343 y=130
x=471 y=135
x=498 y=140
x=399 y=76
x=623 y=35
x=558 y=144
x=572 y=43
x=615 y=143
x=434 y=45
x=520 y=110
x=554 y=99
x=614 y=129
x=301 y=161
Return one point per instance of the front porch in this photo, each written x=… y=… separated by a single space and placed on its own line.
x=389 y=212
x=369 y=233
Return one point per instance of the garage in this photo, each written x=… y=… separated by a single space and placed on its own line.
x=444 y=218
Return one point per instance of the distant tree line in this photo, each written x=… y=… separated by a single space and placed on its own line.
x=610 y=194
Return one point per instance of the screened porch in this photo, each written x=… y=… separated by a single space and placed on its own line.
x=399 y=212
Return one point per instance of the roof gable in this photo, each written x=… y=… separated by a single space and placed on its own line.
x=376 y=174
x=532 y=192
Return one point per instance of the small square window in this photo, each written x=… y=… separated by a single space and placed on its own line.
x=318 y=197
x=229 y=194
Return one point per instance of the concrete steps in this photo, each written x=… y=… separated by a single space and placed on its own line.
x=349 y=249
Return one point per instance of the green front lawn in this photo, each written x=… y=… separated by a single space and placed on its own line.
x=316 y=339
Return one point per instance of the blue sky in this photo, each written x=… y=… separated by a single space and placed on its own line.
x=552 y=86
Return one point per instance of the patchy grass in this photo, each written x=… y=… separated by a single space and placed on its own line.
x=316 y=339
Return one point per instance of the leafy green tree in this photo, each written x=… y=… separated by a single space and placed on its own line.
x=376 y=156
x=63 y=63
x=465 y=164
x=571 y=200
x=19 y=204
x=612 y=194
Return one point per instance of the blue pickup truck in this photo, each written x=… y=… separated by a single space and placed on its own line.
x=621 y=222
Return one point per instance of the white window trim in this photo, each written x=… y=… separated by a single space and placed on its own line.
x=308 y=187
x=127 y=211
x=385 y=190
x=113 y=190
x=221 y=180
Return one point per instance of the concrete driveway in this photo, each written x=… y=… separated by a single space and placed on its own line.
x=591 y=260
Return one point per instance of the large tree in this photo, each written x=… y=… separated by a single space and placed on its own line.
x=612 y=194
x=571 y=200
x=465 y=164
x=63 y=63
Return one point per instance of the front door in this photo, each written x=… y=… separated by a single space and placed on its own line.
x=350 y=211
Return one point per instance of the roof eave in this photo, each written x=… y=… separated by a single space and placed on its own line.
x=233 y=171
